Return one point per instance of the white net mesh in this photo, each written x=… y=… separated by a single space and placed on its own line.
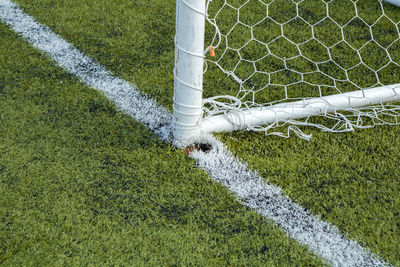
x=280 y=51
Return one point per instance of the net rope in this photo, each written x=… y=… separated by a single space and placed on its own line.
x=280 y=51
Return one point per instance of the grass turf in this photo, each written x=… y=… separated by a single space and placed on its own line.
x=350 y=180
x=83 y=184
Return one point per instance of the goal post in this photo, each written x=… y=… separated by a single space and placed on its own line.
x=393 y=2
x=188 y=71
x=301 y=109
x=195 y=116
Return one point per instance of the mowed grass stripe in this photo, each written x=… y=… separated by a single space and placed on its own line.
x=81 y=183
x=361 y=257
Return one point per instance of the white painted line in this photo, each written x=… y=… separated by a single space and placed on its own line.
x=321 y=237
x=126 y=97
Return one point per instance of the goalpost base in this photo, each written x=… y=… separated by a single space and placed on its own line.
x=263 y=50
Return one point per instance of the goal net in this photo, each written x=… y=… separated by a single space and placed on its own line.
x=279 y=65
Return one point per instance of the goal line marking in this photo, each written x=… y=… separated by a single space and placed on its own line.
x=321 y=237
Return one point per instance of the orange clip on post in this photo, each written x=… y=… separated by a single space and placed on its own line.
x=211 y=50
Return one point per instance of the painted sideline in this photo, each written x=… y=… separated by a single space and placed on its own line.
x=321 y=237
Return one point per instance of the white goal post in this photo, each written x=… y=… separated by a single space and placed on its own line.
x=192 y=119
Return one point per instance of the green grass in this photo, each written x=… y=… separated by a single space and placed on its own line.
x=292 y=50
x=69 y=148
x=351 y=180
x=83 y=184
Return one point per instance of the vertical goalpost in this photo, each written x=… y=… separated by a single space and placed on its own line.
x=188 y=72
x=190 y=122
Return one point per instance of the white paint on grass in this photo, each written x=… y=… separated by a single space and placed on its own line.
x=321 y=237
x=126 y=97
